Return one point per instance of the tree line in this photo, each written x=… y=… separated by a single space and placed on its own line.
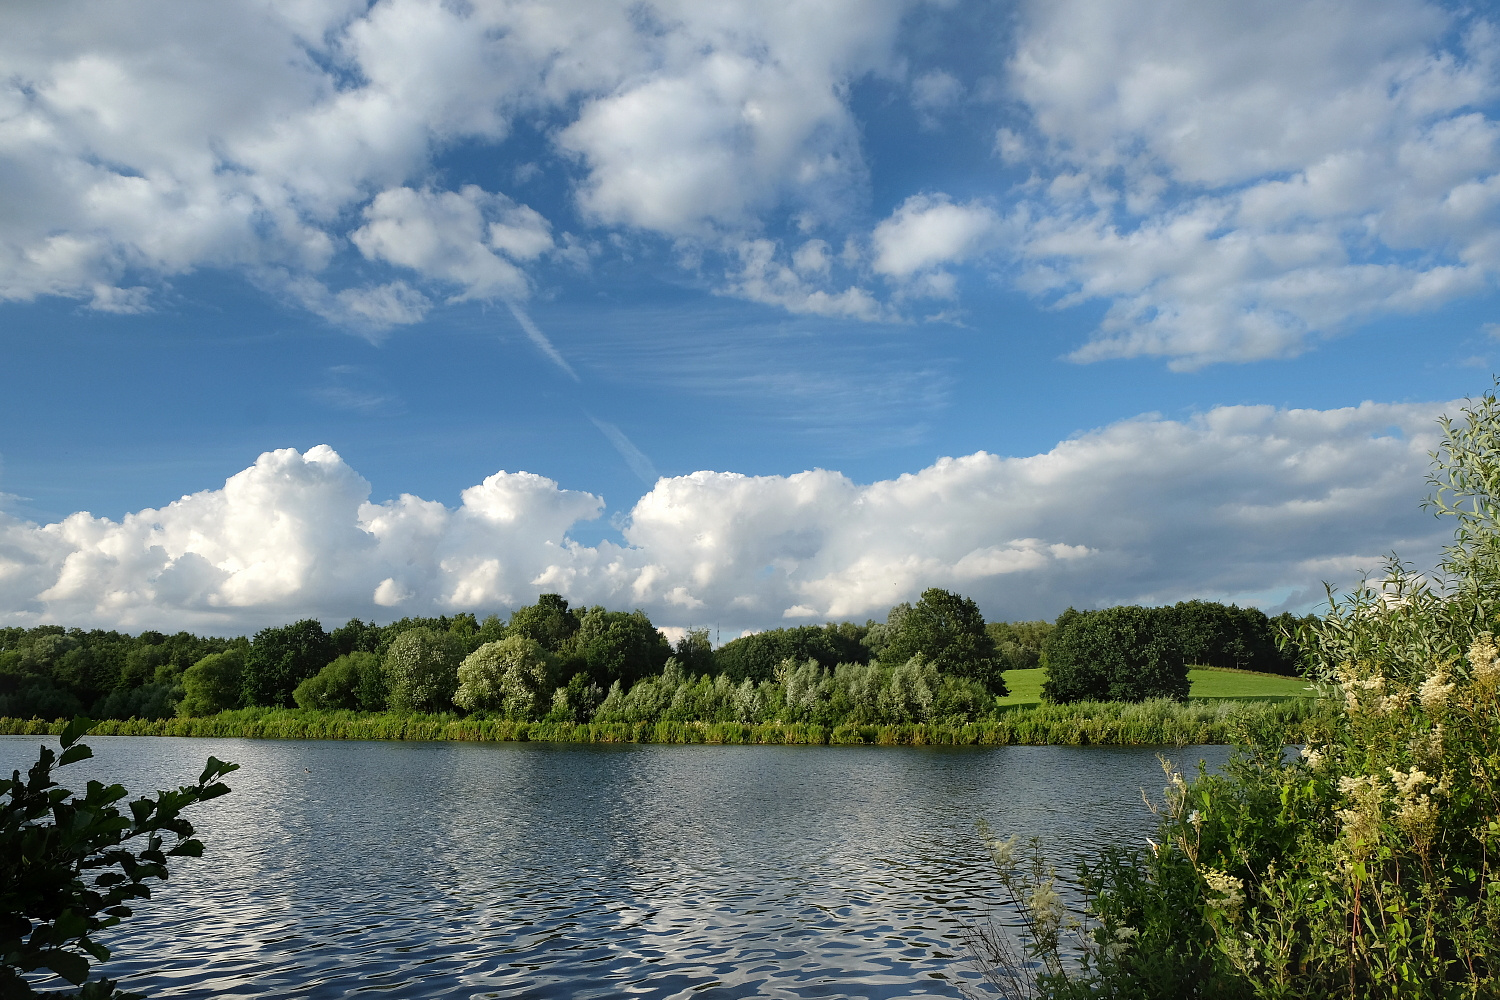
x=935 y=659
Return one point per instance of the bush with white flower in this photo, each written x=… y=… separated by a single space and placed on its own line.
x=1365 y=865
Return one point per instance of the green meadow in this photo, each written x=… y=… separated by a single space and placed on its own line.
x=1208 y=684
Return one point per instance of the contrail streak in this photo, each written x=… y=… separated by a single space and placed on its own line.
x=633 y=456
x=540 y=339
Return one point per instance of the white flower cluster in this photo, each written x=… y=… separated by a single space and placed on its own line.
x=1434 y=692
x=1484 y=660
x=1230 y=892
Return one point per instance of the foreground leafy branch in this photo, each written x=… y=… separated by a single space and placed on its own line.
x=69 y=864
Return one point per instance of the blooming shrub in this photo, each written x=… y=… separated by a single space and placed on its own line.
x=1362 y=866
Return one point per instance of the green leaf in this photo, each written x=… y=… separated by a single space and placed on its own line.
x=75 y=730
x=76 y=752
x=73 y=968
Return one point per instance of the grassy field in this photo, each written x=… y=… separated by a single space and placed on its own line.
x=1207 y=684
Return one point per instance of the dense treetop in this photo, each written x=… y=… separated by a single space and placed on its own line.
x=581 y=656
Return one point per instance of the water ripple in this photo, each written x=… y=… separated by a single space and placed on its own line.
x=444 y=870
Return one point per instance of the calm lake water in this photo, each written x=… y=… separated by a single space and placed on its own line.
x=460 y=870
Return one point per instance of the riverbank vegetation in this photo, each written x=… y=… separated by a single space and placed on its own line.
x=934 y=663
x=1146 y=723
x=1361 y=867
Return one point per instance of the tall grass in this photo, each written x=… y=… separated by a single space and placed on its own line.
x=1107 y=723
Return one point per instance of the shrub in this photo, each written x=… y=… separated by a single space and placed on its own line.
x=1365 y=865
x=213 y=684
x=421 y=670
x=1117 y=654
x=340 y=683
x=281 y=658
x=513 y=676
x=70 y=864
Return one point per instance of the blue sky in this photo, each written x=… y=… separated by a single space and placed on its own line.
x=1148 y=258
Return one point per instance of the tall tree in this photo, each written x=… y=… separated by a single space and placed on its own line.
x=550 y=623
x=421 y=670
x=618 y=646
x=948 y=630
x=281 y=658
x=755 y=657
x=1116 y=654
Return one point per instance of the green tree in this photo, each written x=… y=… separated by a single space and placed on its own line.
x=550 y=623
x=514 y=676
x=69 y=865
x=337 y=685
x=355 y=636
x=1223 y=635
x=619 y=646
x=755 y=657
x=421 y=670
x=948 y=631
x=1117 y=654
x=281 y=658
x=1019 y=644
x=695 y=652
x=213 y=684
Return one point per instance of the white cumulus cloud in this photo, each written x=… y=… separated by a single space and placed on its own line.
x=928 y=231
x=1246 y=503
x=1237 y=181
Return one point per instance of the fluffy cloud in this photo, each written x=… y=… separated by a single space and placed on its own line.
x=929 y=231
x=1237 y=181
x=742 y=106
x=444 y=236
x=1247 y=503
x=147 y=143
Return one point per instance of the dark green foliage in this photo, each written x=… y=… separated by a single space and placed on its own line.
x=25 y=695
x=372 y=692
x=1019 y=644
x=355 y=636
x=1117 y=654
x=1223 y=635
x=755 y=657
x=615 y=646
x=549 y=623
x=149 y=701
x=69 y=865
x=492 y=629
x=462 y=627
x=52 y=672
x=695 y=652
x=281 y=658
x=338 y=685
x=946 y=630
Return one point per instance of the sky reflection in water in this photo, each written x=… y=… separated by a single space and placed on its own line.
x=528 y=870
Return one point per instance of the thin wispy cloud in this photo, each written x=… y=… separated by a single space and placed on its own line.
x=633 y=456
x=537 y=337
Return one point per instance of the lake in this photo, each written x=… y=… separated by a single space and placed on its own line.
x=458 y=870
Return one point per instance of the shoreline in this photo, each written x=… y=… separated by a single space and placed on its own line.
x=1106 y=724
